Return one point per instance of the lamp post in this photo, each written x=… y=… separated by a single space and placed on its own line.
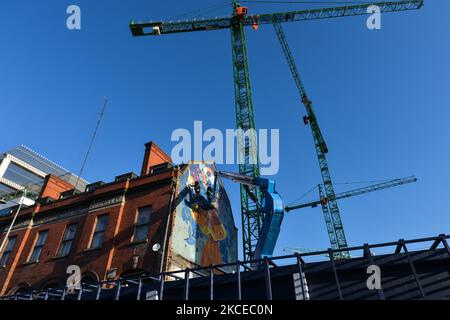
x=2 y=201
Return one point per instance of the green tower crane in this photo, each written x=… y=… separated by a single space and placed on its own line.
x=247 y=148
x=330 y=209
x=323 y=200
x=355 y=192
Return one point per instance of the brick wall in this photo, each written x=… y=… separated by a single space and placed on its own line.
x=53 y=186
x=153 y=156
x=120 y=201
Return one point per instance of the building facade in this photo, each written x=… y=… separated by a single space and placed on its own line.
x=22 y=176
x=137 y=223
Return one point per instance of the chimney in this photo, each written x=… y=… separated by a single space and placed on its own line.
x=53 y=186
x=153 y=156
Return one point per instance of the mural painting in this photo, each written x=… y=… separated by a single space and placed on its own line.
x=202 y=236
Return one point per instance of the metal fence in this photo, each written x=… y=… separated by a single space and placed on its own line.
x=133 y=287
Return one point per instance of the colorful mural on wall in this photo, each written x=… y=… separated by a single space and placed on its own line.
x=202 y=236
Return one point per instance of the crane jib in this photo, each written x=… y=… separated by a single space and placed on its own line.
x=356 y=192
x=326 y=13
x=156 y=28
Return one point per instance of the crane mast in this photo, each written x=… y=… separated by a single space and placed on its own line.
x=247 y=149
x=330 y=209
x=252 y=218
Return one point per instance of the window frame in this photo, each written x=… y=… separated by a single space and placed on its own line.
x=7 y=251
x=138 y=225
x=64 y=240
x=38 y=246
x=95 y=231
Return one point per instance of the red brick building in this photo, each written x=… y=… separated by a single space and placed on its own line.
x=110 y=229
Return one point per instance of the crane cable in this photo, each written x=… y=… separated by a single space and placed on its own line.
x=197 y=12
x=305 y=2
x=364 y=182
x=303 y=195
x=340 y=183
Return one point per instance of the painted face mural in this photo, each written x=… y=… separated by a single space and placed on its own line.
x=201 y=236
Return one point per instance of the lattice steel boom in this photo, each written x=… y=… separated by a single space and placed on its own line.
x=354 y=192
x=330 y=209
x=324 y=200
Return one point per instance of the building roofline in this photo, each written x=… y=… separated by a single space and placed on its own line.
x=103 y=190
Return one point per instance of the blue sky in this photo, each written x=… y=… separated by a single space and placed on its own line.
x=381 y=98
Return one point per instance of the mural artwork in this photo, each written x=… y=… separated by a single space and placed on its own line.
x=202 y=236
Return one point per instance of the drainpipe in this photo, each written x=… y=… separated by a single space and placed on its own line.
x=166 y=232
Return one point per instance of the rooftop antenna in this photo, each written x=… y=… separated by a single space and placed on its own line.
x=100 y=116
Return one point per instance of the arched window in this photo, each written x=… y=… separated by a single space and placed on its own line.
x=22 y=288
x=52 y=284
x=89 y=277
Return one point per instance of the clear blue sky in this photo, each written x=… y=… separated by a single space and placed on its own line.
x=381 y=97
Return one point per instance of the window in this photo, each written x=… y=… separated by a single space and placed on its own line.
x=36 y=252
x=99 y=231
x=7 y=252
x=66 y=243
x=142 y=224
